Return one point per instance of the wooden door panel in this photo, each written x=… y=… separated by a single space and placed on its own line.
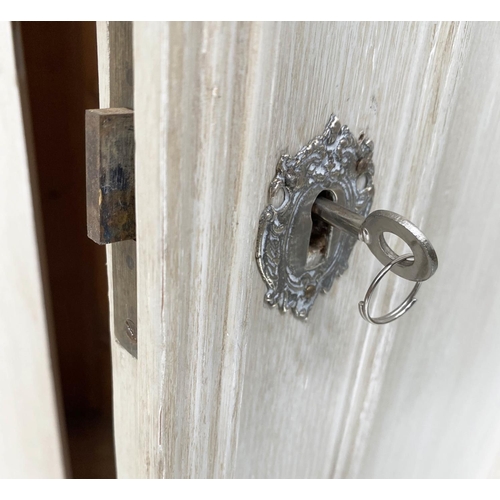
x=226 y=387
x=438 y=409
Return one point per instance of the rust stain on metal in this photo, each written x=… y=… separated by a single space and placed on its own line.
x=110 y=152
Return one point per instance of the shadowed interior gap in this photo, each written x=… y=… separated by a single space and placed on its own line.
x=61 y=69
x=320 y=231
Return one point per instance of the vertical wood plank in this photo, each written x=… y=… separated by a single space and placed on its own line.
x=31 y=441
x=114 y=42
x=438 y=412
x=227 y=387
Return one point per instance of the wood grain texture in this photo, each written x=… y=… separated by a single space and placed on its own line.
x=30 y=433
x=225 y=386
x=438 y=413
x=114 y=43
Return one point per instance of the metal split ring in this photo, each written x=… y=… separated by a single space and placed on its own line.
x=364 y=305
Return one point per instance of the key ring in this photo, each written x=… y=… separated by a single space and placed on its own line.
x=364 y=305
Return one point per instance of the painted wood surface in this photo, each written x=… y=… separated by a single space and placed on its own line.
x=114 y=44
x=223 y=385
x=30 y=436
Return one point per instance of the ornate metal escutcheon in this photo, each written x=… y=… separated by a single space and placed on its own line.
x=298 y=254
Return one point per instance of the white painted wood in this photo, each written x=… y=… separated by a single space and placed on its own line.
x=30 y=438
x=438 y=410
x=114 y=42
x=225 y=386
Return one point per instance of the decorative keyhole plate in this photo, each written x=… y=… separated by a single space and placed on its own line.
x=295 y=272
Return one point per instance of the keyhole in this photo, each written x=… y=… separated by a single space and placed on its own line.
x=320 y=235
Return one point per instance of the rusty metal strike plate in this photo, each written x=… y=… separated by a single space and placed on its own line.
x=110 y=175
x=110 y=151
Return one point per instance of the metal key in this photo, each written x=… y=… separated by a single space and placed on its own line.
x=417 y=267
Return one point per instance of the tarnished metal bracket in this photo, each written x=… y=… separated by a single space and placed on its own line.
x=298 y=254
x=110 y=152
